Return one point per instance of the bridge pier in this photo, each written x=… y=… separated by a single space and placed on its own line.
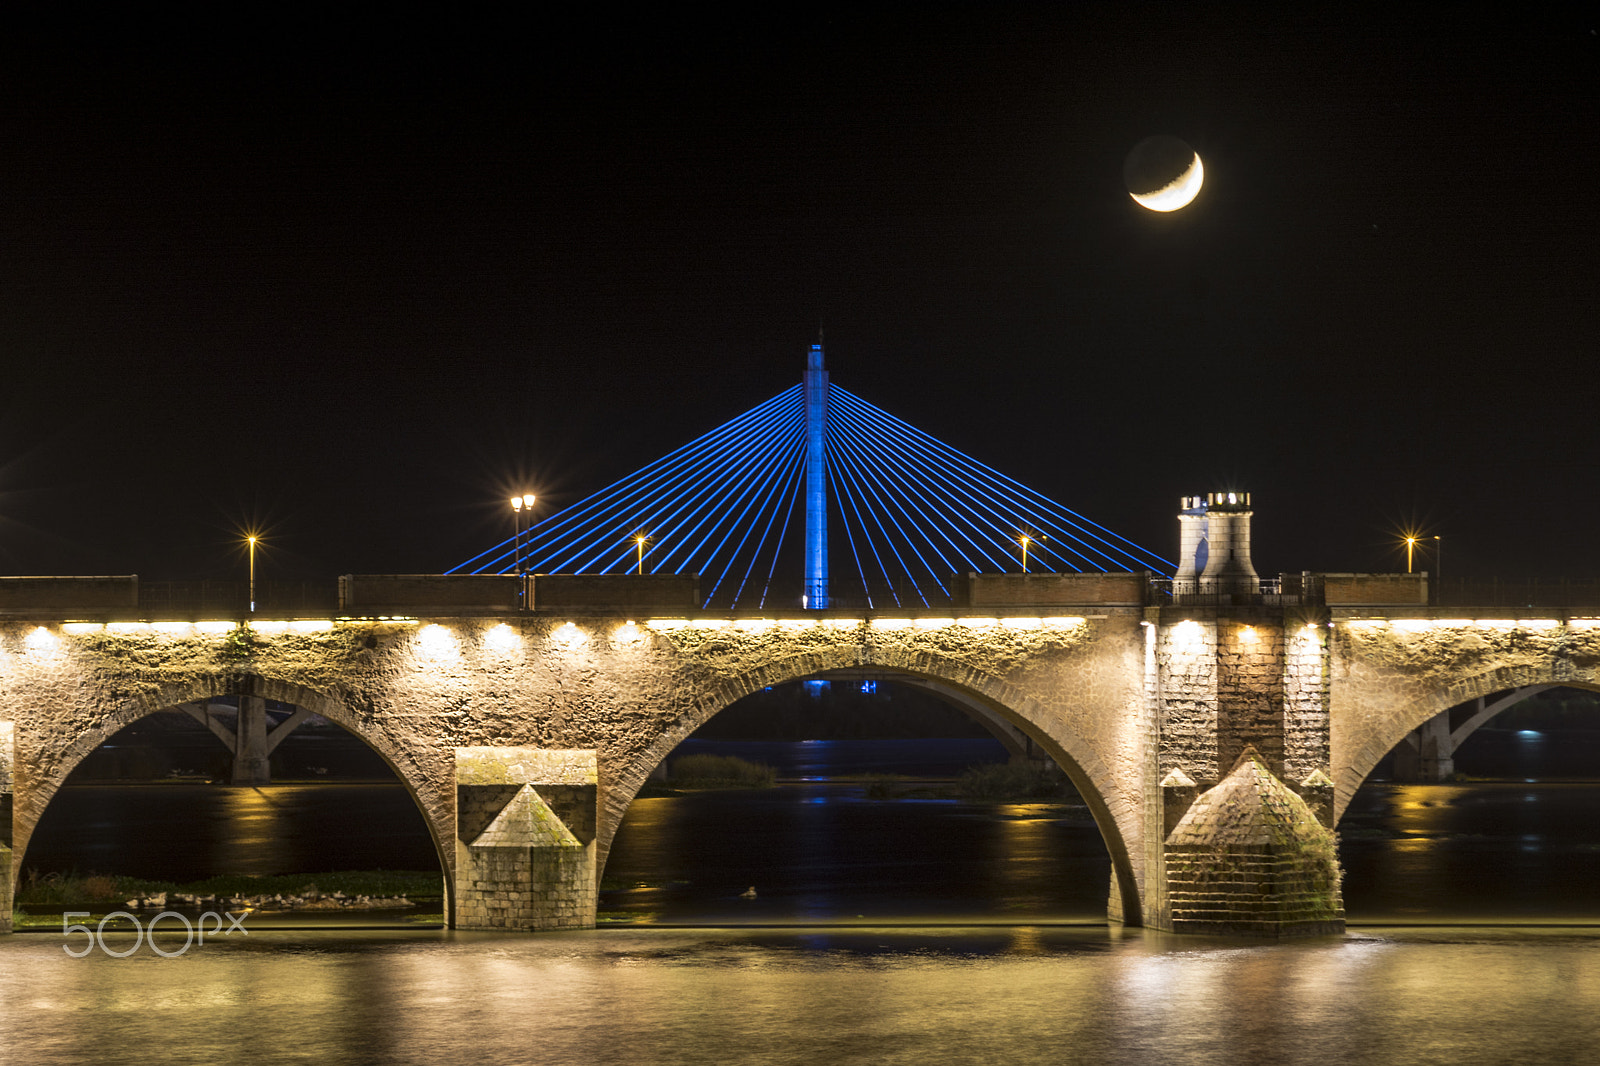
x=1427 y=754
x=1240 y=708
x=525 y=839
x=250 y=761
x=249 y=742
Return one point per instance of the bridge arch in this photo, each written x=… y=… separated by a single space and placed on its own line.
x=977 y=691
x=1412 y=709
x=438 y=811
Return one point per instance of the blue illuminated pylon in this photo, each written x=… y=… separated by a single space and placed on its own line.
x=816 y=388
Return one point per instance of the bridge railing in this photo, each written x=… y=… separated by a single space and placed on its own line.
x=233 y=597
x=1286 y=590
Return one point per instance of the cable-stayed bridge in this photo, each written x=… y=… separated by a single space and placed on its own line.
x=761 y=498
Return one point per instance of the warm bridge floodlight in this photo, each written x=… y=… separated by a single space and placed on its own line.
x=1411 y=546
x=640 y=540
x=1024 y=541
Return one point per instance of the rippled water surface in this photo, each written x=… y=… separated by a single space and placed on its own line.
x=864 y=995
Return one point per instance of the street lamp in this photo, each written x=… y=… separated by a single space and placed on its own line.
x=518 y=504
x=252 y=540
x=640 y=541
x=1024 y=541
x=1411 y=546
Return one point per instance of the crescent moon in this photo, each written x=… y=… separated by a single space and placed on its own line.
x=1177 y=193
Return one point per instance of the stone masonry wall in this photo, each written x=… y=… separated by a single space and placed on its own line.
x=526 y=888
x=1389 y=673
x=628 y=690
x=1187 y=693
x=1249 y=678
x=1153 y=857
x=1250 y=668
x=525 y=838
x=1306 y=681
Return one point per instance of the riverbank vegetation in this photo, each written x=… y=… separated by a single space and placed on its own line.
x=1015 y=781
x=62 y=890
x=719 y=771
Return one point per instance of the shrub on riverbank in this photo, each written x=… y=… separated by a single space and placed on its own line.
x=1013 y=781
x=720 y=771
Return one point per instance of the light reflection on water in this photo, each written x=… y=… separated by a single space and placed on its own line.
x=827 y=853
x=1020 y=995
x=1485 y=852
x=184 y=832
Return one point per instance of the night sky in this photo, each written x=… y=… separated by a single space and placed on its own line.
x=354 y=284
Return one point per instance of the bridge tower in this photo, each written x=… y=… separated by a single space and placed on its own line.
x=1214 y=545
x=1228 y=567
x=816 y=396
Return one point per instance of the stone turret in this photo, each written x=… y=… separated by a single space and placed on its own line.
x=1214 y=544
x=1193 y=542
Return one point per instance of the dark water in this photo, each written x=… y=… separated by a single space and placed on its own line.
x=1541 y=754
x=1503 y=852
x=825 y=853
x=819 y=759
x=822 y=852
x=187 y=832
x=1018 y=996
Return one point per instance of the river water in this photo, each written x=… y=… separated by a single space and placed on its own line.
x=923 y=930
x=1017 y=995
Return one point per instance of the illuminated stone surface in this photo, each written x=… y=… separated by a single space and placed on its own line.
x=547 y=720
x=1251 y=858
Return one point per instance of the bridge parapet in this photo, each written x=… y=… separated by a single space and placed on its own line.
x=30 y=595
x=1051 y=589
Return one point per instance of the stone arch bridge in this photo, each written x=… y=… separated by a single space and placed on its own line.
x=1216 y=742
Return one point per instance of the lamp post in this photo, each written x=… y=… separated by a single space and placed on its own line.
x=252 y=540
x=1438 y=567
x=1024 y=541
x=518 y=503
x=640 y=541
x=1411 y=546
